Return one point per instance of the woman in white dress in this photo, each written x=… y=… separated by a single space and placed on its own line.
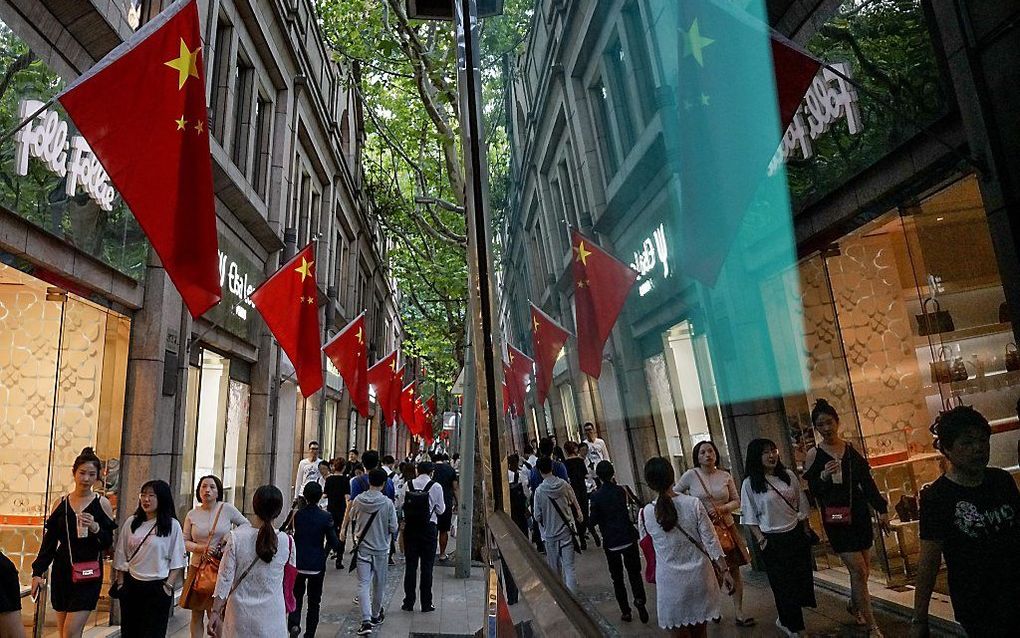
x=249 y=588
x=686 y=588
x=201 y=537
x=717 y=491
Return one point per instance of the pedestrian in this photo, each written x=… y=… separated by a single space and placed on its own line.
x=687 y=555
x=528 y=458
x=970 y=516
x=577 y=473
x=325 y=470
x=308 y=468
x=337 y=491
x=149 y=562
x=717 y=491
x=456 y=462
x=620 y=537
x=557 y=451
x=447 y=478
x=841 y=482
x=249 y=599
x=545 y=449
x=596 y=445
x=407 y=474
x=520 y=494
x=352 y=457
x=313 y=534
x=90 y=515
x=205 y=532
x=775 y=508
x=423 y=503
x=374 y=524
x=11 y=625
x=359 y=484
x=554 y=506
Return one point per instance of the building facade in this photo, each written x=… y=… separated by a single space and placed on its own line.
x=96 y=347
x=904 y=206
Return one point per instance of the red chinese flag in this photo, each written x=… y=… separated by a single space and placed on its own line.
x=431 y=405
x=508 y=401
x=548 y=338
x=380 y=377
x=349 y=354
x=289 y=303
x=795 y=70
x=393 y=409
x=142 y=110
x=407 y=407
x=521 y=366
x=601 y=286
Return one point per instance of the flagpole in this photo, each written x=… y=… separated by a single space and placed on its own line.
x=7 y=135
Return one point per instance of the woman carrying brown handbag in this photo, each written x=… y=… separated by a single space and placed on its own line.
x=718 y=492
x=205 y=532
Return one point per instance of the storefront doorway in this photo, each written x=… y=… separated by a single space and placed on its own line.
x=63 y=366
x=216 y=427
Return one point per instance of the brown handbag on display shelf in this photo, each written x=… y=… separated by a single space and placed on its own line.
x=941 y=372
x=938 y=321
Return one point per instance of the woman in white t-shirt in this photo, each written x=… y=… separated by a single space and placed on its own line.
x=149 y=563
x=249 y=588
x=205 y=530
x=775 y=507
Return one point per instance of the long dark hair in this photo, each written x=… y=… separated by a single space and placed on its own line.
x=697 y=450
x=165 y=513
x=88 y=455
x=267 y=503
x=755 y=470
x=660 y=477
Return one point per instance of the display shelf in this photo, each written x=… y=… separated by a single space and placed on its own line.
x=990 y=381
x=942 y=338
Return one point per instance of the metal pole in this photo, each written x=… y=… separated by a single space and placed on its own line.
x=466 y=498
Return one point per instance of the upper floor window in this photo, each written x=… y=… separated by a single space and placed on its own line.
x=220 y=77
x=244 y=75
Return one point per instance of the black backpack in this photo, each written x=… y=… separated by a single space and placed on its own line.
x=417 y=506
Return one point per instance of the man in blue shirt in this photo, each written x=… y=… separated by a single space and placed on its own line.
x=545 y=448
x=370 y=459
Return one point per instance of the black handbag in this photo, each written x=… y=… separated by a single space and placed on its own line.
x=930 y=323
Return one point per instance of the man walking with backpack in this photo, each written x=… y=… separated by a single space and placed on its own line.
x=375 y=521
x=554 y=507
x=423 y=504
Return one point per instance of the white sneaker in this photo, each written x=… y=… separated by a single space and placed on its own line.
x=786 y=632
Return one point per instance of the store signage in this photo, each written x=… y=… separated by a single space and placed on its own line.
x=829 y=99
x=653 y=255
x=237 y=283
x=48 y=141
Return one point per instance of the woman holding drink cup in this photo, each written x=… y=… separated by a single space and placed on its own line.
x=77 y=533
x=840 y=479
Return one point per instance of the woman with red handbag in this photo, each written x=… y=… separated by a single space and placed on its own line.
x=77 y=533
x=840 y=480
x=252 y=587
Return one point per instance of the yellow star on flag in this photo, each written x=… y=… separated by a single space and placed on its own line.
x=198 y=127
x=582 y=254
x=359 y=336
x=305 y=269
x=695 y=43
x=186 y=64
x=511 y=357
x=181 y=123
x=393 y=365
x=311 y=300
x=535 y=321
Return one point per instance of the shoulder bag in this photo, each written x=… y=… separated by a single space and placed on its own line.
x=722 y=530
x=648 y=549
x=364 y=532
x=811 y=534
x=566 y=522
x=842 y=514
x=115 y=589
x=82 y=571
x=289 y=578
x=202 y=579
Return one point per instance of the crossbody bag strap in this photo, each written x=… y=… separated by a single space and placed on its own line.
x=796 y=510
x=142 y=544
x=708 y=493
x=364 y=532
x=212 y=530
x=244 y=574
x=563 y=516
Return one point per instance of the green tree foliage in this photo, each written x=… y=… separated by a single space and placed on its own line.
x=889 y=49
x=405 y=72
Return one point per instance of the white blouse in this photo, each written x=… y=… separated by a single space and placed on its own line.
x=156 y=558
x=721 y=490
x=198 y=521
x=770 y=511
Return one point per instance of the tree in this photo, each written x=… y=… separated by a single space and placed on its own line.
x=406 y=78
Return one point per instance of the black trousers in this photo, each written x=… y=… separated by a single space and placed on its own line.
x=628 y=558
x=420 y=553
x=144 y=608
x=313 y=583
x=787 y=557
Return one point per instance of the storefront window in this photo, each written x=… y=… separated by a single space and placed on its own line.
x=63 y=364
x=569 y=413
x=904 y=318
x=328 y=442
x=33 y=188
